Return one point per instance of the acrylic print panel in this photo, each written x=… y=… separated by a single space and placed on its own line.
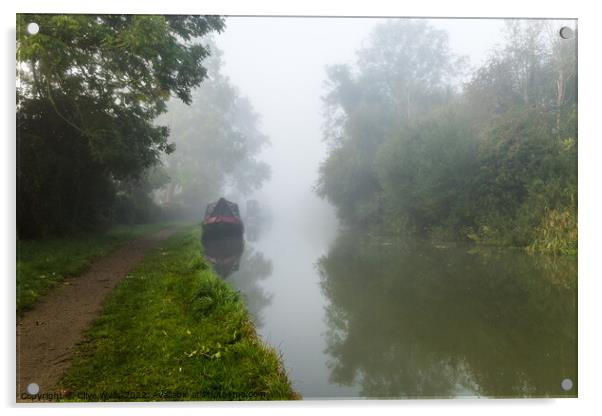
x=397 y=208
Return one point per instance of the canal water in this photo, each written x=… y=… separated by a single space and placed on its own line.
x=382 y=318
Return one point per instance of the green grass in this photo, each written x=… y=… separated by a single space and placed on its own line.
x=42 y=264
x=172 y=330
x=557 y=233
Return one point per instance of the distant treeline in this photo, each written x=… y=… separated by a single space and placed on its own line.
x=414 y=151
x=217 y=140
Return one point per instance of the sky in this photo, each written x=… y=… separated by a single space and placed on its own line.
x=279 y=63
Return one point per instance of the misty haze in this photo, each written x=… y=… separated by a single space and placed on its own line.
x=258 y=208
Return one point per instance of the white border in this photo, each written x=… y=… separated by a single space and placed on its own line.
x=589 y=190
x=423 y=8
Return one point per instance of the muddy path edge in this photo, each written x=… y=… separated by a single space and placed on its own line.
x=47 y=334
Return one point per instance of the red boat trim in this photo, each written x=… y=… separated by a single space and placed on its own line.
x=220 y=218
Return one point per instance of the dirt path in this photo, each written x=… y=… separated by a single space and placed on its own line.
x=47 y=334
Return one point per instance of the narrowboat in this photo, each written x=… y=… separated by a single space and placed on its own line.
x=222 y=219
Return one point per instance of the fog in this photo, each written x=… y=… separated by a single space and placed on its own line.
x=280 y=64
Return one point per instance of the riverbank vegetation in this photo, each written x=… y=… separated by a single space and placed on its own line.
x=43 y=263
x=172 y=330
x=419 y=146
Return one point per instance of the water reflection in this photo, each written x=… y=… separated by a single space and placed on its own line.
x=254 y=268
x=252 y=232
x=441 y=321
x=257 y=220
x=224 y=253
x=245 y=267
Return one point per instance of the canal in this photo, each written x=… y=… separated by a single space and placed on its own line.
x=358 y=317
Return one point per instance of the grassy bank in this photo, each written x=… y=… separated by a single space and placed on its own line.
x=42 y=264
x=172 y=330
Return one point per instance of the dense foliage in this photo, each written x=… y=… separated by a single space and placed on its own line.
x=493 y=161
x=88 y=90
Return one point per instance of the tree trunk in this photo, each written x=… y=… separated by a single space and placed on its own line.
x=560 y=92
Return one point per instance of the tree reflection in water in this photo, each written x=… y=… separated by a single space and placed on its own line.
x=442 y=321
x=253 y=269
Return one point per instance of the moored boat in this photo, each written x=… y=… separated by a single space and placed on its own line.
x=222 y=219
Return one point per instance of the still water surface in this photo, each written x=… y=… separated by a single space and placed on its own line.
x=381 y=318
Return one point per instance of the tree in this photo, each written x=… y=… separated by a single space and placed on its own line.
x=527 y=154
x=403 y=73
x=518 y=74
x=427 y=173
x=494 y=163
x=89 y=87
x=217 y=141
